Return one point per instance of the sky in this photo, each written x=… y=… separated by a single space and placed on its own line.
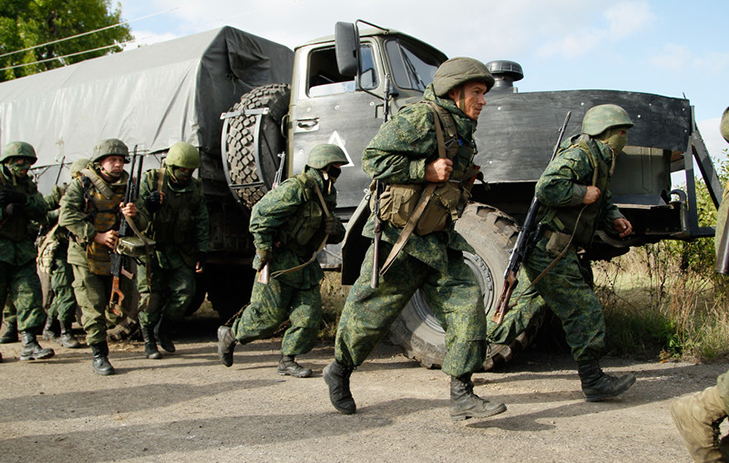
x=667 y=47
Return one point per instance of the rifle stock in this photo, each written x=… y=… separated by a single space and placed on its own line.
x=264 y=275
x=375 y=278
x=523 y=245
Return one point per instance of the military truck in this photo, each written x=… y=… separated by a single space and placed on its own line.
x=255 y=108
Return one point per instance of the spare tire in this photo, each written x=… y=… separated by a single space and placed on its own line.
x=492 y=234
x=253 y=142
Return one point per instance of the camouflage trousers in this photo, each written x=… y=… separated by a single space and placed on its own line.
x=63 y=304
x=93 y=293
x=454 y=297
x=565 y=291
x=170 y=294
x=21 y=289
x=270 y=305
x=10 y=315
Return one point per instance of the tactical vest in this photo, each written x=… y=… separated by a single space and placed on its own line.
x=303 y=231
x=175 y=221
x=102 y=209
x=565 y=220
x=16 y=228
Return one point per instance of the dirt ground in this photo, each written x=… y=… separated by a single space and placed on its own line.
x=188 y=407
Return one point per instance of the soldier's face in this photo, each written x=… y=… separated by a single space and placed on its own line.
x=472 y=100
x=113 y=166
x=19 y=166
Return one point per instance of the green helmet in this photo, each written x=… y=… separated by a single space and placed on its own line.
x=602 y=117
x=457 y=71
x=78 y=165
x=19 y=149
x=183 y=154
x=110 y=147
x=321 y=156
x=725 y=124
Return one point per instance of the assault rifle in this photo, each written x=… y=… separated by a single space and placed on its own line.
x=264 y=276
x=524 y=244
x=375 y=279
x=119 y=260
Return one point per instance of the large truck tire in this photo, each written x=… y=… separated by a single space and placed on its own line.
x=251 y=151
x=492 y=234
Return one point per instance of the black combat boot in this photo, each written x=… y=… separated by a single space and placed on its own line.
x=597 y=386
x=10 y=334
x=337 y=376
x=465 y=404
x=67 y=338
x=50 y=330
x=1 y=358
x=31 y=350
x=288 y=366
x=100 y=362
x=226 y=345
x=163 y=333
x=150 y=344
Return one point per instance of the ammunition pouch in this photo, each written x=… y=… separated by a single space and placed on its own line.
x=134 y=246
x=557 y=242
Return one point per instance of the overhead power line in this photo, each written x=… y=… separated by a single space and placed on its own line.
x=66 y=56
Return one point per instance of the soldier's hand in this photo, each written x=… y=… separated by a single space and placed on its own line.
x=200 y=260
x=623 y=227
x=154 y=201
x=591 y=195
x=438 y=170
x=107 y=239
x=13 y=209
x=8 y=196
x=128 y=209
x=263 y=256
x=331 y=227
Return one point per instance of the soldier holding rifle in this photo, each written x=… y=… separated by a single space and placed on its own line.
x=575 y=203
x=92 y=210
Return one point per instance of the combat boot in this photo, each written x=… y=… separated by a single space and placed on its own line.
x=67 y=338
x=100 y=362
x=288 y=366
x=226 y=345
x=337 y=376
x=1 y=358
x=597 y=386
x=50 y=330
x=465 y=404
x=150 y=344
x=31 y=350
x=697 y=417
x=10 y=334
x=163 y=333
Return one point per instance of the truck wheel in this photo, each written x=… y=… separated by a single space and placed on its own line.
x=252 y=150
x=492 y=234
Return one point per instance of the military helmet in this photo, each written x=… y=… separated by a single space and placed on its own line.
x=19 y=149
x=321 y=156
x=602 y=117
x=457 y=71
x=183 y=154
x=110 y=147
x=725 y=125
x=78 y=165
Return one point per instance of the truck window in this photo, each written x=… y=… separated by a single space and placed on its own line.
x=410 y=69
x=325 y=79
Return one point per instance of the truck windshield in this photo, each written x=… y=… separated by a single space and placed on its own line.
x=411 y=69
x=325 y=79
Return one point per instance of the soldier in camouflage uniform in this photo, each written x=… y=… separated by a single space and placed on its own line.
x=91 y=210
x=20 y=202
x=575 y=203
x=405 y=155
x=179 y=225
x=698 y=416
x=53 y=259
x=10 y=316
x=288 y=226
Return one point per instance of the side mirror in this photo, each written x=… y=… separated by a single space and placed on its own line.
x=346 y=47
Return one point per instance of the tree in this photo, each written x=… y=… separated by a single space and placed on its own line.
x=27 y=23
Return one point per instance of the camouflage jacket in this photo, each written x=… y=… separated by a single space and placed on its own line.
x=181 y=227
x=564 y=183
x=399 y=153
x=16 y=235
x=288 y=214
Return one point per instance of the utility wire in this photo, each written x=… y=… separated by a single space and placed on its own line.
x=66 y=56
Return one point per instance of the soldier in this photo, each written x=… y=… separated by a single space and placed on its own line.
x=20 y=202
x=699 y=415
x=179 y=225
x=289 y=225
x=408 y=158
x=53 y=258
x=575 y=203
x=91 y=210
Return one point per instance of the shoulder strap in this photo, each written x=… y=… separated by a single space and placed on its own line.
x=98 y=182
x=444 y=120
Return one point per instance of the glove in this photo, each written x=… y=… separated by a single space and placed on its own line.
x=8 y=196
x=13 y=209
x=154 y=202
x=331 y=226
